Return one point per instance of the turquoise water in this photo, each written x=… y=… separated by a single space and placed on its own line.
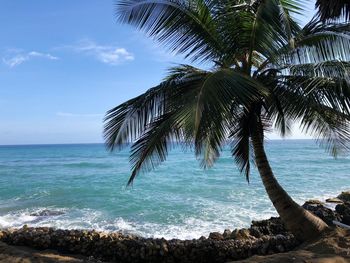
x=83 y=186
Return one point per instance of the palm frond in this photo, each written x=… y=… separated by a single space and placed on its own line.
x=248 y=123
x=128 y=121
x=294 y=7
x=267 y=71
x=213 y=109
x=152 y=147
x=317 y=42
x=274 y=110
x=240 y=147
x=331 y=128
x=331 y=92
x=184 y=26
x=328 y=69
x=322 y=109
x=333 y=9
x=272 y=28
x=320 y=42
x=264 y=32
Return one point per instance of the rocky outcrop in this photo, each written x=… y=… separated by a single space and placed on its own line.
x=262 y=238
x=340 y=214
x=216 y=236
x=129 y=248
x=326 y=214
x=314 y=202
x=272 y=226
x=344 y=212
x=344 y=196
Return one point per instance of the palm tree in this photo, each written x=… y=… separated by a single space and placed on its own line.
x=333 y=9
x=266 y=72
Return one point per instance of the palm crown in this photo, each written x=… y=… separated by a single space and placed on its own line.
x=267 y=72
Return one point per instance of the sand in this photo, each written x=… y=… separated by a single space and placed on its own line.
x=18 y=254
x=332 y=247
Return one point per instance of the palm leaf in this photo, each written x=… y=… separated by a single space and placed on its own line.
x=240 y=136
x=128 y=121
x=184 y=26
x=319 y=42
x=329 y=69
x=333 y=9
x=322 y=111
x=213 y=109
x=152 y=147
x=267 y=71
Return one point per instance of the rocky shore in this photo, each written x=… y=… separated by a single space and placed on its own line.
x=262 y=238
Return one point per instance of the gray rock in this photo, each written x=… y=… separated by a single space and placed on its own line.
x=216 y=236
x=334 y=200
x=118 y=247
x=272 y=226
x=47 y=212
x=344 y=196
x=314 y=202
x=242 y=234
x=326 y=214
x=227 y=233
x=344 y=211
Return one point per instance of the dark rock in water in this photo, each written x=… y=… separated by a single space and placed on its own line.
x=326 y=214
x=47 y=212
x=344 y=196
x=344 y=211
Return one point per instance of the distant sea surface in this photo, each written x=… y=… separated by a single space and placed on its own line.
x=84 y=186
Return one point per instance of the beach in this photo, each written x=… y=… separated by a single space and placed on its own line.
x=325 y=250
x=263 y=238
x=64 y=200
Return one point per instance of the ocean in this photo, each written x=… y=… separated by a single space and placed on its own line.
x=84 y=186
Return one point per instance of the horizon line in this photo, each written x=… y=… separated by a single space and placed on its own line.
x=89 y=143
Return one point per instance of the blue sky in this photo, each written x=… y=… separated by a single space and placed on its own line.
x=64 y=63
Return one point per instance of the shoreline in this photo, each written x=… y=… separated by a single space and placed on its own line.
x=51 y=212
x=264 y=237
x=88 y=186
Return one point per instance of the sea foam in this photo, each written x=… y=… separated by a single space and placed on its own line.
x=177 y=200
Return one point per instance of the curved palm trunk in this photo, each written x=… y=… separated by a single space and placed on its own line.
x=299 y=221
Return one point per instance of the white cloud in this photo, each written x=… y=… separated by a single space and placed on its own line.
x=111 y=55
x=69 y=114
x=15 y=57
x=14 y=61
x=42 y=55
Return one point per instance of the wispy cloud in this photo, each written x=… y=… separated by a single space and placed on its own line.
x=108 y=54
x=80 y=115
x=14 y=58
